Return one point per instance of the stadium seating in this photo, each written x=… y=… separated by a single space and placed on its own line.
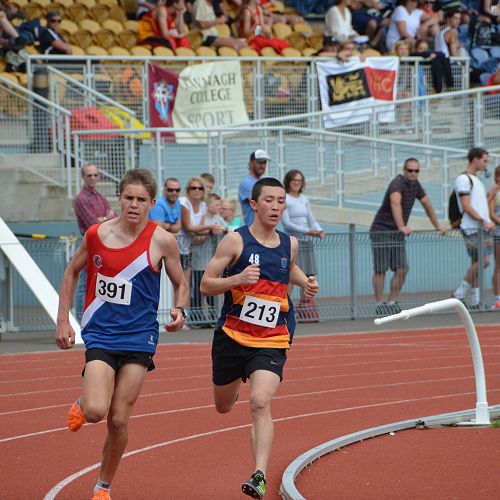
x=140 y=50
x=206 y=51
x=118 y=51
x=227 y=52
x=163 y=52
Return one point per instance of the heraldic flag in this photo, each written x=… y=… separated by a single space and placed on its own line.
x=162 y=91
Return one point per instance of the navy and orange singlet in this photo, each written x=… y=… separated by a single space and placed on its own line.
x=260 y=315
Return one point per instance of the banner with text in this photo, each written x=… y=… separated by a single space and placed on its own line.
x=162 y=92
x=209 y=95
x=344 y=87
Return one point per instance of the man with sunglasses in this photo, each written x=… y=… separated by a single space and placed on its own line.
x=166 y=212
x=389 y=229
x=51 y=42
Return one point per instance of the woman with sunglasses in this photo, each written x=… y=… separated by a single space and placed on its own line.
x=193 y=230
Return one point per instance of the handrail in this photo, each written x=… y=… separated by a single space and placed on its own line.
x=35 y=96
x=90 y=90
x=482 y=411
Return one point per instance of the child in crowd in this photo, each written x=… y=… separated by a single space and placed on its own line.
x=227 y=211
x=208 y=182
x=203 y=250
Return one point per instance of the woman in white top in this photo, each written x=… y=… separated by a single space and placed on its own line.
x=338 y=22
x=299 y=221
x=408 y=23
x=193 y=208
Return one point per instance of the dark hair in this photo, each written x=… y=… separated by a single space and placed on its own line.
x=408 y=160
x=170 y=179
x=476 y=153
x=451 y=13
x=497 y=171
x=51 y=14
x=265 y=181
x=139 y=176
x=289 y=177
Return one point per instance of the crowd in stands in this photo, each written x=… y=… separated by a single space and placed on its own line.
x=430 y=28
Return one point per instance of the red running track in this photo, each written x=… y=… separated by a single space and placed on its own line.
x=180 y=448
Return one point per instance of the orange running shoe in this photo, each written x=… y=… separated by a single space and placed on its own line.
x=76 y=417
x=102 y=494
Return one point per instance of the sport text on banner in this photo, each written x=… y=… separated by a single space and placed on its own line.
x=345 y=87
x=162 y=91
x=209 y=95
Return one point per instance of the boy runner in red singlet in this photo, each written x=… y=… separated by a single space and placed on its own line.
x=253 y=266
x=123 y=259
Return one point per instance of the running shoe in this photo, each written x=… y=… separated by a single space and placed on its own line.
x=76 y=418
x=256 y=487
x=102 y=494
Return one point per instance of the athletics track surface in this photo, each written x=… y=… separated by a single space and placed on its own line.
x=180 y=448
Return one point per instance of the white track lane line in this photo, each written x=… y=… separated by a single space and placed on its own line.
x=55 y=490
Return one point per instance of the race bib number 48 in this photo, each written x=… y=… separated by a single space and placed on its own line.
x=260 y=311
x=115 y=290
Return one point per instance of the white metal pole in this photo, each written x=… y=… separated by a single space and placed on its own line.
x=482 y=410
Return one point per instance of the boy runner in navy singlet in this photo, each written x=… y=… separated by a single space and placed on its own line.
x=123 y=258
x=253 y=266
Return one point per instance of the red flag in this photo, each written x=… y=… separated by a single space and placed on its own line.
x=162 y=91
x=381 y=83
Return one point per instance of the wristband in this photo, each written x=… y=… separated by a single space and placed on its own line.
x=182 y=310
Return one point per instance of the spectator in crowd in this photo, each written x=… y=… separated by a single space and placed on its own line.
x=91 y=207
x=257 y=167
x=205 y=18
x=9 y=36
x=476 y=224
x=52 y=42
x=120 y=331
x=329 y=49
x=494 y=208
x=389 y=229
x=409 y=23
x=227 y=211
x=255 y=31
x=298 y=220
x=260 y=264
x=489 y=11
x=164 y=25
x=432 y=9
x=446 y=39
x=203 y=250
x=272 y=15
x=193 y=230
x=166 y=212
x=338 y=22
x=143 y=6
x=493 y=80
x=367 y=20
x=208 y=182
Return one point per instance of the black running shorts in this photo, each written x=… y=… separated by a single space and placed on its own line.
x=231 y=361
x=116 y=359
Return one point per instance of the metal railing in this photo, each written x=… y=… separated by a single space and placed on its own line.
x=436 y=264
x=272 y=86
x=35 y=133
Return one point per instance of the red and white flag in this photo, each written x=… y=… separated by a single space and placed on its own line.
x=345 y=87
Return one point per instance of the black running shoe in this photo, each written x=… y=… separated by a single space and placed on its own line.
x=256 y=487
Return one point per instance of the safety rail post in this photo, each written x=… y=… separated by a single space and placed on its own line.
x=478 y=120
x=352 y=270
x=339 y=172
x=482 y=410
x=480 y=265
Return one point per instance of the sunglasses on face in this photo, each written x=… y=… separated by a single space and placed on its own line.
x=413 y=170
x=55 y=20
x=173 y=190
x=196 y=188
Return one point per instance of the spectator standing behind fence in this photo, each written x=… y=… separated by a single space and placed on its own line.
x=91 y=207
x=257 y=167
x=494 y=208
x=227 y=211
x=166 y=212
x=120 y=330
x=389 y=229
x=203 y=251
x=298 y=220
x=476 y=224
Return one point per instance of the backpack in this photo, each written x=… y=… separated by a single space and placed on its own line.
x=454 y=213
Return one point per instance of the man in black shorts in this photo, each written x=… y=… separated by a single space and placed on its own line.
x=253 y=266
x=388 y=231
